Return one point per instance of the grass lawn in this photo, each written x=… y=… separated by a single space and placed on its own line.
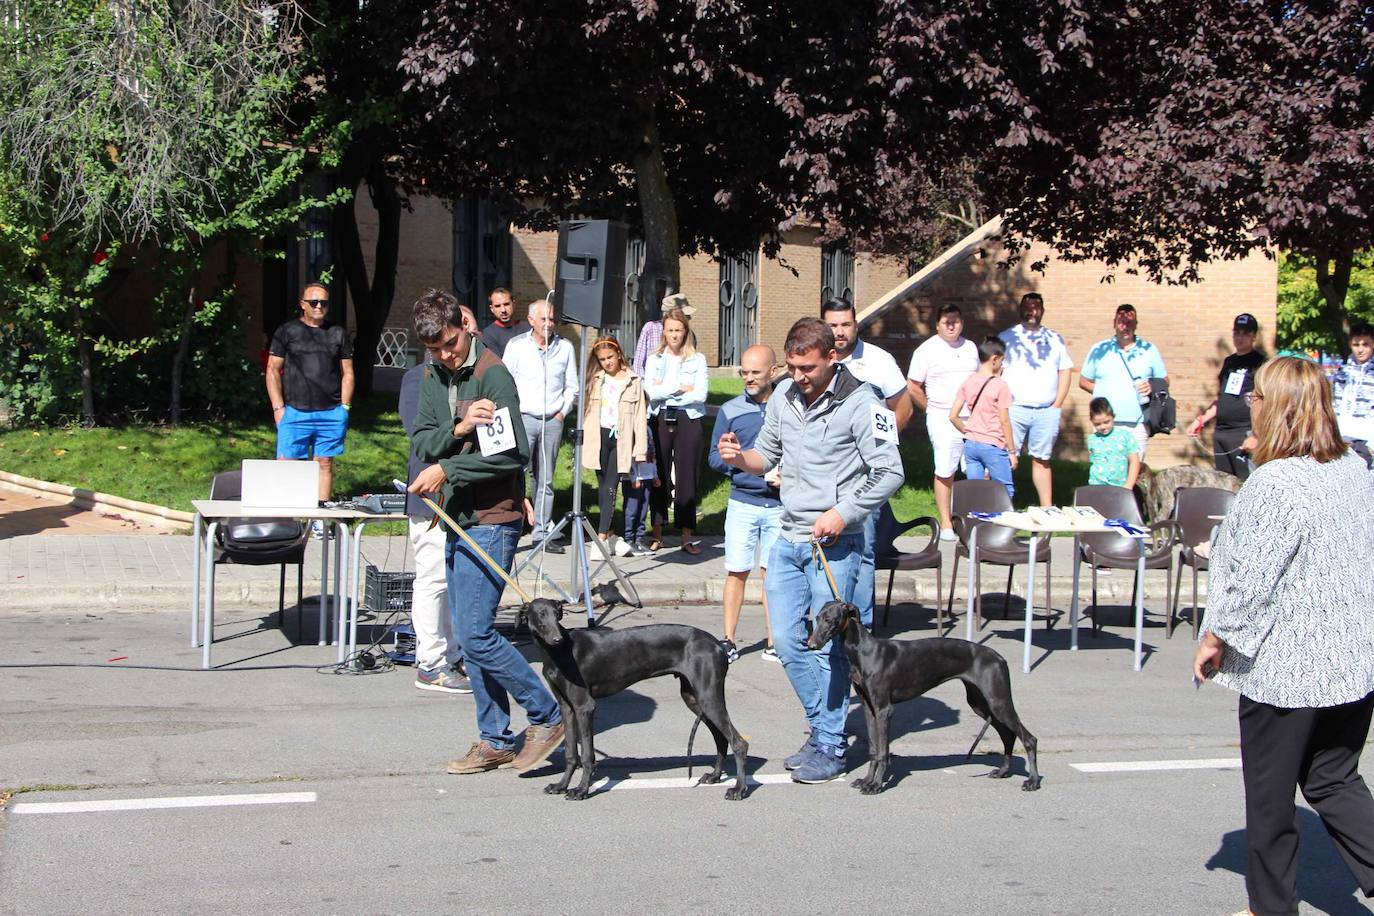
x=170 y=467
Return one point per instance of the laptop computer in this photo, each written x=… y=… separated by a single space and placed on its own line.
x=280 y=484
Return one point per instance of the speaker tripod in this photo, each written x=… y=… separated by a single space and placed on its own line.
x=580 y=531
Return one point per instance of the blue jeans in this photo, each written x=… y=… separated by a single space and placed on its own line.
x=797 y=588
x=495 y=667
x=980 y=457
x=863 y=586
x=636 y=508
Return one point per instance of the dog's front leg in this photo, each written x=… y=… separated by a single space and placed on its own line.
x=570 y=757
x=864 y=782
x=881 y=750
x=585 y=714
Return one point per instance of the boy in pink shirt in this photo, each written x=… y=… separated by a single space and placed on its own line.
x=987 y=427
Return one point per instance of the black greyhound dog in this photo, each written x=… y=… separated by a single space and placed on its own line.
x=887 y=671
x=584 y=665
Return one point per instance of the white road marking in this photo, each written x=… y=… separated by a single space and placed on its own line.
x=606 y=784
x=148 y=804
x=1141 y=766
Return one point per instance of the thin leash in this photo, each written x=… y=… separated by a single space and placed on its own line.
x=817 y=550
x=467 y=539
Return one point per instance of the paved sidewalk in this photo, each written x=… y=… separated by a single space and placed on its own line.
x=21 y=514
x=156 y=572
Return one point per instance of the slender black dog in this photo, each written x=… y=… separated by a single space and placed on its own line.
x=584 y=665
x=887 y=671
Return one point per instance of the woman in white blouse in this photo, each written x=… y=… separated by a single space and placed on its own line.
x=676 y=382
x=1290 y=627
x=615 y=423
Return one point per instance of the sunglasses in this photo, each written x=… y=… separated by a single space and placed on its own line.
x=317 y=303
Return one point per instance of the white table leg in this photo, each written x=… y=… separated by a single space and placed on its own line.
x=340 y=578
x=355 y=586
x=1139 y=601
x=972 y=565
x=197 y=528
x=1030 y=604
x=208 y=620
x=1073 y=605
x=342 y=556
x=324 y=592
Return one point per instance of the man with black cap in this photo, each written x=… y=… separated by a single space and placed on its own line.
x=1230 y=450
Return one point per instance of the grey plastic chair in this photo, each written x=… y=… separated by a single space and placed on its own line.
x=997 y=544
x=1193 y=508
x=1109 y=550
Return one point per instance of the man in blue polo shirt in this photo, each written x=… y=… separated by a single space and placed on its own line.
x=753 y=514
x=1119 y=369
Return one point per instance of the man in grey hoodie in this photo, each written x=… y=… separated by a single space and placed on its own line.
x=838 y=447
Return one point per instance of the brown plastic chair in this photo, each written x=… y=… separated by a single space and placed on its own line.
x=887 y=556
x=261 y=542
x=997 y=544
x=1109 y=550
x=1193 y=507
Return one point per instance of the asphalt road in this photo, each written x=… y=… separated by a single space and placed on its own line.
x=373 y=825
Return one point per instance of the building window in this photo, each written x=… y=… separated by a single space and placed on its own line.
x=837 y=275
x=481 y=253
x=739 y=306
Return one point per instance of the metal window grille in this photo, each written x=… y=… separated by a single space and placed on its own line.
x=739 y=306
x=837 y=275
x=626 y=331
x=393 y=349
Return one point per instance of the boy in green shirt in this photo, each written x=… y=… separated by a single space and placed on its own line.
x=1113 y=450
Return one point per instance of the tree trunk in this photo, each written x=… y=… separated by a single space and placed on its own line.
x=371 y=301
x=659 y=211
x=1333 y=282
x=83 y=353
x=179 y=358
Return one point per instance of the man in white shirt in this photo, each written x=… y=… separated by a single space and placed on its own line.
x=875 y=366
x=1037 y=368
x=545 y=369
x=938 y=367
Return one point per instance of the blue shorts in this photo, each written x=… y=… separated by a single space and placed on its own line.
x=1036 y=428
x=748 y=528
x=311 y=433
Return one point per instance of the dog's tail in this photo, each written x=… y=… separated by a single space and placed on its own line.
x=691 y=738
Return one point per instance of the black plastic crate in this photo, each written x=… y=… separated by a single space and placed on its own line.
x=388 y=591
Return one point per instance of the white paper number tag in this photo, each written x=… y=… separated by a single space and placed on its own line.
x=884 y=424
x=1235 y=381
x=497 y=436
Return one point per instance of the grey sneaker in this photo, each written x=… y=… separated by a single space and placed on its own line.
x=640 y=549
x=443 y=680
x=803 y=754
x=731 y=650
x=822 y=766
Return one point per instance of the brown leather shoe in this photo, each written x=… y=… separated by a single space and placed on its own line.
x=480 y=758
x=540 y=742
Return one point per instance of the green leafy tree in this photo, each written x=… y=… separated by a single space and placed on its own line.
x=1302 y=315
x=135 y=132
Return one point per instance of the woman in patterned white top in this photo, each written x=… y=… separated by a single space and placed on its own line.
x=1290 y=626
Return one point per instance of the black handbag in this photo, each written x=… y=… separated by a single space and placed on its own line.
x=1161 y=413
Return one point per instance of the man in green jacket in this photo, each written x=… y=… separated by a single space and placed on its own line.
x=468 y=424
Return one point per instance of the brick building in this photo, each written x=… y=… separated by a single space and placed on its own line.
x=756 y=299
